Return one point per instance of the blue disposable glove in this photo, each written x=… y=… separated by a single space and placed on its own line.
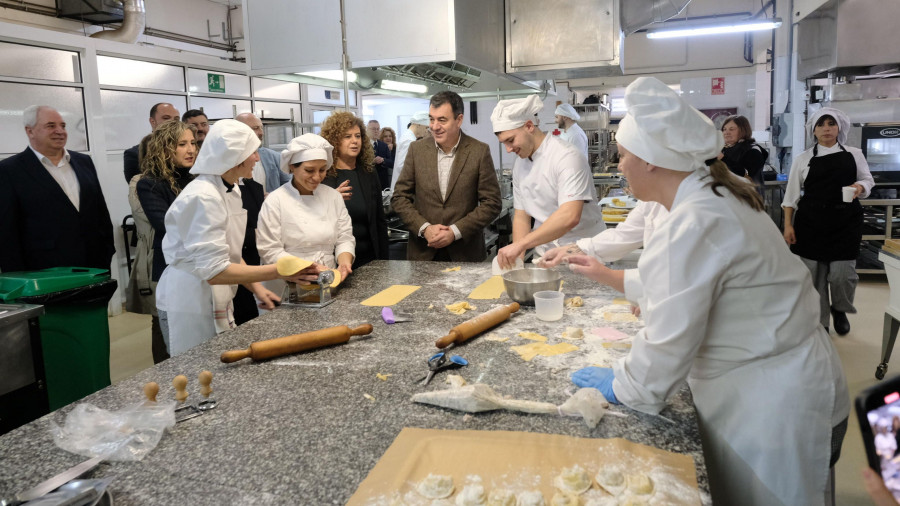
x=600 y=378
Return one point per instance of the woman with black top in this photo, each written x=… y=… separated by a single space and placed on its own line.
x=741 y=153
x=354 y=177
x=169 y=156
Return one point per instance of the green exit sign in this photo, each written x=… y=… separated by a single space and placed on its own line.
x=216 y=83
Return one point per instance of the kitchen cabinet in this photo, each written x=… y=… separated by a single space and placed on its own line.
x=307 y=428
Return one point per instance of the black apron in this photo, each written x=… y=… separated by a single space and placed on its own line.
x=827 y=228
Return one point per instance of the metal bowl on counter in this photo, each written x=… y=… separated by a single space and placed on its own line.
x=521 y=284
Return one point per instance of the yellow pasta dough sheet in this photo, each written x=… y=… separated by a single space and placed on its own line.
x=452 y=269
x=390 y=296
x=534 y=336
x=491 y=289
x=460 y=307
x=621 y=301
x=620 y=317
x=517 y=461
x=531 y=350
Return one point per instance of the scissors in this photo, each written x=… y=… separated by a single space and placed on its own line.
x=440 y=361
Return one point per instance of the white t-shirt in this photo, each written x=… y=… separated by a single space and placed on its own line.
x=557 y=173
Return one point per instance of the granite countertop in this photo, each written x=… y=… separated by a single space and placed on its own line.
x=299 y=429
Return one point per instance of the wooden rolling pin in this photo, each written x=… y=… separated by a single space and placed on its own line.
x=271 y=348
x=477 y=325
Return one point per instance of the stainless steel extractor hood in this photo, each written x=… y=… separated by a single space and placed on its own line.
x=846 y=37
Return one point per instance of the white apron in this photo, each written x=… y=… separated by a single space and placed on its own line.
x=196 y=310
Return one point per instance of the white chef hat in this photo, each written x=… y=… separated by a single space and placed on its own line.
x=664 y=130
x=226 y=146
x=843 y=123
x=420 y=118
x=513 y=113
x=567 y=111
x=304 y=148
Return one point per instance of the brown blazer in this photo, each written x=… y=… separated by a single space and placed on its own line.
x=473 y=198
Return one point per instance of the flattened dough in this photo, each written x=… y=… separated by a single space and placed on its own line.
x=501 y=497
x=534 y=336
x=495 y=338
x=574 y=302
x=452 y=269
x=460 y=307
x=390 y=296
x=620 y=317
x=620 y=301
x=573 y=480
x=573 y=333
x=530 y=498
x=528 y=351
x=436 y=486
x=455 y=381
x=290 y=265
x=471 y=495
x=493 y=288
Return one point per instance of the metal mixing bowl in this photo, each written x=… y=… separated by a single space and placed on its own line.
x=521 y=284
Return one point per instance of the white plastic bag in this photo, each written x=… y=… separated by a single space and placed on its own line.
x=127 y=434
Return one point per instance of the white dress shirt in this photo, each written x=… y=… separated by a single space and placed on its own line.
x=64 y=175
x=444 y=166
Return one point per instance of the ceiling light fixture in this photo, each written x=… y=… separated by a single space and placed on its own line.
x=387 y=84
x=332 y=75
x=737 y=27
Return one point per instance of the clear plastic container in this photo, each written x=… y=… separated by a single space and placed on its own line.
x=548 y=305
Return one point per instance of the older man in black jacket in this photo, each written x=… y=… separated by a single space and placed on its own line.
x=52 y=210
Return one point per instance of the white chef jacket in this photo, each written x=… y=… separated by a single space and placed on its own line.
x=556 y=174
x=800 y=168
x=406 y=138
x=614 y=243
x=314 y=227
x=575 y=136
x=728 y=307
x=205 y=228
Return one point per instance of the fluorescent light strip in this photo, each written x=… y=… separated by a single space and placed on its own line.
x=387 y=84
x=332 y=75
x=712 y=30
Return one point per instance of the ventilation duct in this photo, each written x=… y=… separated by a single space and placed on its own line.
x=638 y=14
x=132 y=23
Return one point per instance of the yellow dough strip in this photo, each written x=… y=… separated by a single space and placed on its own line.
x=390 y=296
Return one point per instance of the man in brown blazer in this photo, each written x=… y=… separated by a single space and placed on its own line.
x=447 y=192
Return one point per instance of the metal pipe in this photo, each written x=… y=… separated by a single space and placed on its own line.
x=190 y=40
x=133 y=22
x=344 y=58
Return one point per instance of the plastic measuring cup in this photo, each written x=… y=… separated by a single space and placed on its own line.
x=549 y=305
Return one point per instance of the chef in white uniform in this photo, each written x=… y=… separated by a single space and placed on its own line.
x=567 y=118
x=204 y=234
x=417 y=128
x=728 y=308
x=552 y=183
x=303 y=217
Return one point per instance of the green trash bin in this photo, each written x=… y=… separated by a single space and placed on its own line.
x=74 y=327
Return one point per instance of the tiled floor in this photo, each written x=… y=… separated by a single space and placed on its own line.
x=860 y=352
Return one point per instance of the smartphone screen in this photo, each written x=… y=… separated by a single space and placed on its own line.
x=884 y=421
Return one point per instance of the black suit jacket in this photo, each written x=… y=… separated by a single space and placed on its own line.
x=252 y=194
x=131 y=162
x=384 y=169
x=39 y=226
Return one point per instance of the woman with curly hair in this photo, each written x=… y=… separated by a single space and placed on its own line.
x=170 y=154
x=354 y=176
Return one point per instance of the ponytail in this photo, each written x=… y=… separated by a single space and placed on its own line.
x=739 y=187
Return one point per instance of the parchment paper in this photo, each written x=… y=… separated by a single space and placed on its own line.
x=518 y=461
